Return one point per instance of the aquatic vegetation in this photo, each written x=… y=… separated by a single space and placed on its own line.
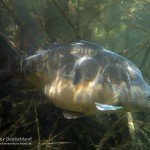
x=93 y=132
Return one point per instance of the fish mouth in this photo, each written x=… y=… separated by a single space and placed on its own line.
x=146 y=94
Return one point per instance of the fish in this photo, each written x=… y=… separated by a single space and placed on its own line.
x=81 y=78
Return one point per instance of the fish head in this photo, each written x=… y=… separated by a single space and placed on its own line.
x=122 y=84
x=137 y=90
x=140 y=97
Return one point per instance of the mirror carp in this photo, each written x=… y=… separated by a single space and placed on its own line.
x=81 y=77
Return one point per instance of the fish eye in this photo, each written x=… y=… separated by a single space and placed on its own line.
x=148 y=98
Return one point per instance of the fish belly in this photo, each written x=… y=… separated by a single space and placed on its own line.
x=65 y=95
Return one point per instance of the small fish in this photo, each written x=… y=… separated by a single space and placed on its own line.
x=81 y=77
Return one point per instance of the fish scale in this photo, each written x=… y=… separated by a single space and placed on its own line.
x=82 y=77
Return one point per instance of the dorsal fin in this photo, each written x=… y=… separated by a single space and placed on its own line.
x=82 y=47
x=91 y=45
x=80 y=44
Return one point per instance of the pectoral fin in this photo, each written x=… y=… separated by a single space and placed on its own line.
x=72 y=115
x=105 y=107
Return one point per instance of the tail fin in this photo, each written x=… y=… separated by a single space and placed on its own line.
x=7 y=58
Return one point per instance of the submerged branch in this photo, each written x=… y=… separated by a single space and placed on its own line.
x=58 y=6
x=109 y=132
x=14 y=126
x=40 y=28
x=38 y=128
x=18 y=22
x=146 y=10
x=78 y=20
x=147 y=53
x=140 y=27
